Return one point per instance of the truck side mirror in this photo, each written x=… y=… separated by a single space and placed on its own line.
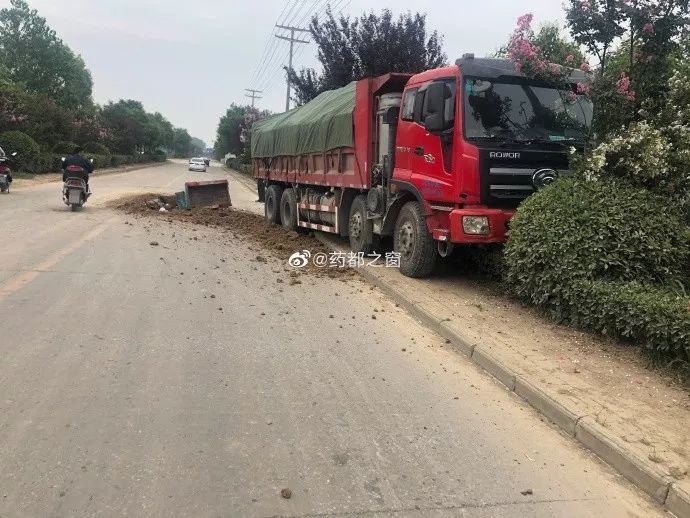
x=435 y=107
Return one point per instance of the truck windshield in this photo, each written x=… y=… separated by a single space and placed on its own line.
x=523 y=111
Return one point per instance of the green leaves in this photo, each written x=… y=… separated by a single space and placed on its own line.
x=20 y=143
x=36 y=58
x=600 y=255
x=372 y=45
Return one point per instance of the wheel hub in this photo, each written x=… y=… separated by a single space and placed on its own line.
x=406 y=239
x=356 y=225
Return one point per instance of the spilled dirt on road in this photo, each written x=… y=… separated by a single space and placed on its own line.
x=241 y=224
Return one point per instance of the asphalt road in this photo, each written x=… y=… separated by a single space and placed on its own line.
x=186 y=379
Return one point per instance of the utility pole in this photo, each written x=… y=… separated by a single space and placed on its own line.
x=292 y=41
x=253 y=95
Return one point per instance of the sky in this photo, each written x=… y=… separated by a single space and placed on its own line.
x=190 y=60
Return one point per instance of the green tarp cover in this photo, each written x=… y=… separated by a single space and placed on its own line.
x=323 y=124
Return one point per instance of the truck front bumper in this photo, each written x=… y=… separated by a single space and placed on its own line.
x=465 y=223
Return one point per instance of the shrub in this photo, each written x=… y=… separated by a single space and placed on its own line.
x=239 y=165
x=597 y=254
x=653 y=317
x=15 y=141
x=96 y=148
x=64 y=147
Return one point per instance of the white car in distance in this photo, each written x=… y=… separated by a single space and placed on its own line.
x=197 y=164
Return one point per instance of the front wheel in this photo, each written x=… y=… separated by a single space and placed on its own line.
x=413 y=241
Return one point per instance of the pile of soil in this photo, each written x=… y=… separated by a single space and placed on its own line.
x=271 y=238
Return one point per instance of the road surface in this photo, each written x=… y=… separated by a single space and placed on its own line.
x=192 y=379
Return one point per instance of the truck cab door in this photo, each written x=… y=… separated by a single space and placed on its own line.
x=431 y=149
x=406 y=130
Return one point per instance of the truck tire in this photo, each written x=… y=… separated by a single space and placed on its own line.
x=362 y=238
x=288 y=209
x=413 y=241
x=272 y=205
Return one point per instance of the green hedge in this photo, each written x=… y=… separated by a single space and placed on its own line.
x=63 y=147
x=239 y=165
x=20 y=143
x=653 y=317
x=602 y=255
x=52 y=163
x=96 y=148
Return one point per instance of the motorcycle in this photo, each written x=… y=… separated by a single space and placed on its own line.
x=5 y=174
x=75 y=192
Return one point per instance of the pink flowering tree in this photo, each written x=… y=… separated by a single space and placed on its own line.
x=531 y=58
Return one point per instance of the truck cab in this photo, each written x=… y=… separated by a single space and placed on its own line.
x=477 y=138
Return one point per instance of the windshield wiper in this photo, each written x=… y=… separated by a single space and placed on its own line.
x=503 y=139
x=565 y=141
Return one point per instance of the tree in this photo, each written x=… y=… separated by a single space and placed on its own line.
x=372 y=45
x=635 y=42
x=552 y=46
x=34 y=114
x=182 y=143
x=556 y=48
x=233 y=131
x=228 y=132
x=197 y=146
x=124 y=123
x=596 y=25
x=36 y=58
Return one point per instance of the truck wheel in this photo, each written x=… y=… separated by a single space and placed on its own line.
x=413 y=242
x=272 y=204
x=362 y=238
x=288 y=209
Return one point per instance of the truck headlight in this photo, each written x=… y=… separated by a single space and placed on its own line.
x=475 y=225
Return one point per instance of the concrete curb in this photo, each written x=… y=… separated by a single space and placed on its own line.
x=640 y=472
x=678 y=502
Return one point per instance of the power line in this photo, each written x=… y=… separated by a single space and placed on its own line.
x=292 y=39
x=339 y=6
x=270 y=41
x=253 y=95
x=272 y=65
x=272 y=78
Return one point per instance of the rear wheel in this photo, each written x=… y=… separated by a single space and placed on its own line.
x=288 y=209
x=361 y=229
x=261 y=190
x=413 y=241
x=272 y=204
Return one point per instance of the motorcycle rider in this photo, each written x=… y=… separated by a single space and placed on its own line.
x=5 y=158
x=78 y=160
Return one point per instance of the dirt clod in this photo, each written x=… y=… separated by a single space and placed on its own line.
x=286 y=493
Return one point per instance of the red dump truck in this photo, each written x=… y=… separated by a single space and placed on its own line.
x=436 y=160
